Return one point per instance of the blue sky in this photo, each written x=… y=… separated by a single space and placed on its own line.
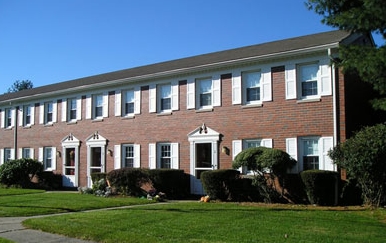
x=48 y=41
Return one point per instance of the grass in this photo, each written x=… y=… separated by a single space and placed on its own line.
x=2 y=240
x=220 y=222
x=20 y=202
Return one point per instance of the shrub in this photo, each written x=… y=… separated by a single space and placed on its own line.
x=128 y=180
x=49 y=180
x=97 y=176
x=174 y=183
x=218 y=183
x=19 y=172
x=321 y=186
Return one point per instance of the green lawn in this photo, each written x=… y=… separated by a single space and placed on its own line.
x=20 y=202
x=220 y=222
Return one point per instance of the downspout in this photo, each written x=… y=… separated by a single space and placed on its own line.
x=15 y=133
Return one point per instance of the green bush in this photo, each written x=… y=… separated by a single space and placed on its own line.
x=321 y=186
x=129 y=180
x=174 y=183
x=49 y=180
x=97 y=176
x=20 y=172
x=244 y=190
x=218 y=184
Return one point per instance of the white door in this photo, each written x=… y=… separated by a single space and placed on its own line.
x=70 y=168
x=96 y=162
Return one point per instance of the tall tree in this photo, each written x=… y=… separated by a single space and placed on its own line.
x=361 y=16
x=19 y=85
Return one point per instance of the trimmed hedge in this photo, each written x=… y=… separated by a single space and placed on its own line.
x=219 y=184
x=129 y=180
x=174 y=183
x=321 y=186
x=19 y=172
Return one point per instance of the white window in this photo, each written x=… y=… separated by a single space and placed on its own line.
x=26 y=153
x=128 y=103
x=128 y=155
x=72 y=109
x=204 y=93
x=47 y=155
x=28 y=115
x=311 y=153
x=48 y=112
x=98 y=106
x=7 y=154
x=309 y=80
x=251 y=84
x=8 y=117
x=164 y=155
x=165 y=97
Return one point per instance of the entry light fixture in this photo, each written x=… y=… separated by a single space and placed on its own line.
x=109 y=152
x=59 y=154
x=203 y=129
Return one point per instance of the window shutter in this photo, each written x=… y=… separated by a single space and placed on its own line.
x=41 y=113
x=175 y=96
x=3 y=118
x=266 y=143
x=236 y=88
x=54 y=111
x=20 y=153
x=64 y=110
x=174 y=155
x=20 y=117
x=117 y=157
x=1 y=156
x=137 y=155
x=266 y=85
x=12 y=153
x=152 y=98
x=79 y=108
x=237 y=147
x=137 y=100
x=216 y=90
x=32 y=153
x=13 y=112
x=53 y=165
x=292 y=150
x=191 y=92
x=326 y=143
x=105 y=104
x=152 y=157
x=40 y=156
x=32 y=114
x=88 y=107
x=290 y=81
x=325 y=77
x=118 y=103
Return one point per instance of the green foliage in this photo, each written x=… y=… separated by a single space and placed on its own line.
x=363 y=16
x=128 y=180
x=174 y=183
x=19 y=172
x=363 y=156
x=218 y=183
x=50 y=180
x=321 y=186
x=19 y=85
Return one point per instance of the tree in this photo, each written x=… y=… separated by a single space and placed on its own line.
x=20 y=172
x=268 y=165
x=19 y=85
x=363 y=156
x=360 y=16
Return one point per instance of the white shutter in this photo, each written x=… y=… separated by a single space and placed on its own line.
x=216 y=90
x=175 y=156
x=236 y=87
x=290 y=81
x=20 y=116
x=13 y=112
x=137 y=100
x=33 y=114
x=137 y=155
x=117 y=156
x=292 y=150
x=152 y=98
x=53 y=162
x=152 y=156
x=3 y=118
x=191 y=94
x=41 y=113
x=54 y=111
x=175 y=96
x=64 y=110
x=79 y=108
x=266 y=84
x=12 y=151
x=32 y=153
x=237 y=147
x=118 y=103
x=20 y=153
x=325 y=144
x=105 y=104
x=267 y=142
x=88 y=107
x=1 y=156
x=325 y=80
x=40 y=156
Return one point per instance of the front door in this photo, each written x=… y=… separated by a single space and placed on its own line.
x=70 y=168
x=203 y=162
x=96 y=164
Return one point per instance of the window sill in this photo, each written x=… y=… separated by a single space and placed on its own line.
x=128 y=117
x=251 y=106
x=27 y=127
x=48 y=125
x=98 y=120
x=309 y=100
x=204 y=110
x=72 y=122
x=167 y=113
x=9 y=128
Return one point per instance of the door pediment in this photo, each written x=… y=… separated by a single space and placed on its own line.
x=203 y=133
x=96 y=139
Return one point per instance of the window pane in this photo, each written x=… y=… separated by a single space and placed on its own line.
x=165 y=160
x=205 y=86
x=206 y=99
x=253 y=94
x=128 y=160
x=48 y=158
x=98 y=111
x=7 y=155
x=129 y=108
x=27 y=115
x=309 y=88
x=252 y=79
x=166 y=104
x=166 y=91
x=309 y=72
x=310 y=154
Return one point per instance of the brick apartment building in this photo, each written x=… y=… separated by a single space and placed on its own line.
x=193 y=113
